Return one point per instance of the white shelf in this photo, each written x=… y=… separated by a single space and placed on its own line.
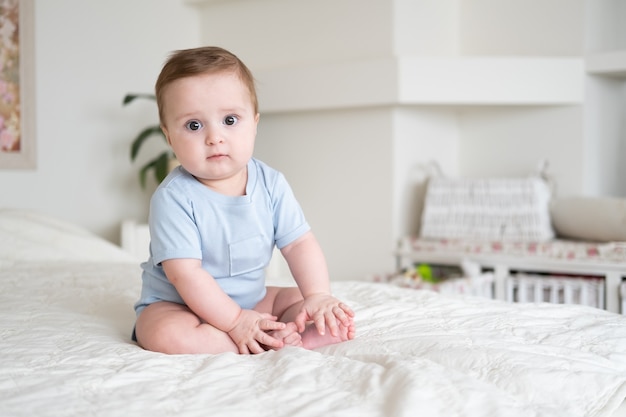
x=423 y=81
x=487 y=81
x=612 y=63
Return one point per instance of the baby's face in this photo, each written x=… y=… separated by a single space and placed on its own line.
x=209 y=121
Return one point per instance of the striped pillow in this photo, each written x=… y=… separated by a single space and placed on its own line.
x=504 y=209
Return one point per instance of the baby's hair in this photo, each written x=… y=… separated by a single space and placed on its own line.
x=204 y=60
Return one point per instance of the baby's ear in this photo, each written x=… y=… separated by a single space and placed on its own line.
x=167 y=135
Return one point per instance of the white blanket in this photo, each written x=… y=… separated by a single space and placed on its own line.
x=65 y=350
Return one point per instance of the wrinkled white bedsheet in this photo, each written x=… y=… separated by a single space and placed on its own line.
x=66 y=317
x=65 y=350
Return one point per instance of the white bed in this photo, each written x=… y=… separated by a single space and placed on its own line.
x=66 y=317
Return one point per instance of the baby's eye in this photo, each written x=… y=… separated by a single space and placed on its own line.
x=193 y=125
x=230 y=120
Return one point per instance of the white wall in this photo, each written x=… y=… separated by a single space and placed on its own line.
x=354 y=165
x=605 y=137
x=356 y=160
x=339 y=166
x=605 y=29
x=512 y=141
x=275 y=33
x=426 y=27
x=522 y=27
x=88 y=55
x=420 y=135
x=605 y=129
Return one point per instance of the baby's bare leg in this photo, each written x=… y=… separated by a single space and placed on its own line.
x=276 y=300
x=173 y=328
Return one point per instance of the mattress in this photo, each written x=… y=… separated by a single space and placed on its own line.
x=65 y=350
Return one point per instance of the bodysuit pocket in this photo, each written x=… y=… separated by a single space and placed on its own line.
x=247 y=255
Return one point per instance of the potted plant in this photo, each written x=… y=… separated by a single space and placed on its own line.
x=161 y=164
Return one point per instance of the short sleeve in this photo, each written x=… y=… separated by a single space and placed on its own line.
x=173 y=232
x=289 y=220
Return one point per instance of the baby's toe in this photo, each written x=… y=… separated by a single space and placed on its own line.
x=293 y=339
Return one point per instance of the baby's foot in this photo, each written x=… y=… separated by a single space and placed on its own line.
x=350 y=331
x=311 y=338
x=289 y=335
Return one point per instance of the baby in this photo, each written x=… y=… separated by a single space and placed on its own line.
x=214 y=222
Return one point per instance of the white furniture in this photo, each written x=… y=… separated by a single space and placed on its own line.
x=557 y=257
x=539 y=247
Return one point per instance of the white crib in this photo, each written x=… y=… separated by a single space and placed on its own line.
x=526 y=288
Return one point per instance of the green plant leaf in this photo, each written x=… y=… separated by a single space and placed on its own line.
x=161 y=165
x=128 y=98
x=141 y=138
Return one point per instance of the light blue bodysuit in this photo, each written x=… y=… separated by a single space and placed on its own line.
x=233 y=236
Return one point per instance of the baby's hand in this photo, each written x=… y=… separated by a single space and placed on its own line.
x=289 y=335
x=250 y=332
x=325 y=311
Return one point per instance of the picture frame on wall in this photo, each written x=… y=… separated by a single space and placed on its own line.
x=17 y=85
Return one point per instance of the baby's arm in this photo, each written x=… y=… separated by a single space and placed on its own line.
x=202 y=294
x=308 y=266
